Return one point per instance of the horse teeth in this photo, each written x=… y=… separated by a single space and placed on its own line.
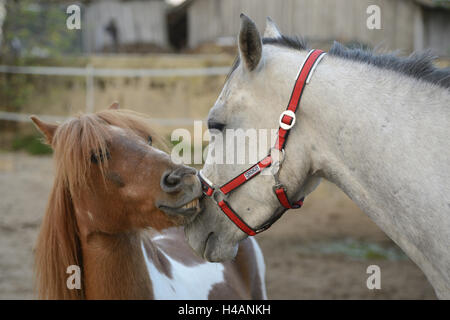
x=193 y=204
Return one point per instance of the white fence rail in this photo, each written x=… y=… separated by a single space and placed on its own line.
x=21 y=117
x=106 y=72
x=89 y=73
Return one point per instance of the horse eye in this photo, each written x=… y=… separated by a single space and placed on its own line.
x=149 y=140
x=99 y=156
x=216 y=125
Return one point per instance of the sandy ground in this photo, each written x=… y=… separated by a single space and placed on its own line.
x=319 y=252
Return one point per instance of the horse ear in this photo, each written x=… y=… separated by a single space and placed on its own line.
x=271 y=29
x=114 y=106
x=250 y=44
x=47 y=129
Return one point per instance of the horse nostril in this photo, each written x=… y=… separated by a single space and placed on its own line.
x=171 y=181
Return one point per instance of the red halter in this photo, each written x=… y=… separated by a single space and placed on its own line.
x=287 y=121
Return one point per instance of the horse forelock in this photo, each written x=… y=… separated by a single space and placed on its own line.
x=74 y=143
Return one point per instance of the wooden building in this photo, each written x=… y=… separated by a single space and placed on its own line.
x=405 y=24
x=125 y=26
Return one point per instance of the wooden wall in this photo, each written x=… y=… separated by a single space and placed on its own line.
x=138 y=22
x=317 y=20
x=435 y=31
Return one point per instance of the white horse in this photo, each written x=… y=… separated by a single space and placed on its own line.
x=377 y=126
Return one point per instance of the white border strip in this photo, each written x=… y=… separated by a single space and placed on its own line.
x=303 y=64
x=314 y=66
x=206 y=179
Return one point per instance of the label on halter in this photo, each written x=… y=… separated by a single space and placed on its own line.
x=251 y=172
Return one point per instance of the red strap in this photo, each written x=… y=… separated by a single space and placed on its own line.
x=209 y=192
x=281 y=140
x=301 y=79
x=207 y=189
x=246 y=175
x=296 y=95
x=287 y=119
x=235 y=218
x=283 y=199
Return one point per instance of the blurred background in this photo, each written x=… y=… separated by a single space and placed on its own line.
x=169 y=59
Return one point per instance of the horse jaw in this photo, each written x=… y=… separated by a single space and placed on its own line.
x=206 y=237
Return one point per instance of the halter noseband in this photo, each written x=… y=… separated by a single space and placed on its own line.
x=287 y=121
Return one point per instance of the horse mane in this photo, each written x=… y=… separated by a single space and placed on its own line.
x=74 y=143
x=416 y=65
x=58 y=246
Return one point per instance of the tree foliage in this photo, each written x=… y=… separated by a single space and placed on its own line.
x=38 y=29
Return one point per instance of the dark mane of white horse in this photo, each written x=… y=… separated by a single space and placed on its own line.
x=416 y=65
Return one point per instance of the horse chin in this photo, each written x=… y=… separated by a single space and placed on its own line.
x=218 y=251
x=208 y=245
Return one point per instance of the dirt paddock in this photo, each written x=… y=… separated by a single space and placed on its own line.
x=319 y=252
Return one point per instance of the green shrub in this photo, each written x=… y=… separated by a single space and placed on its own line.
x=32 y=144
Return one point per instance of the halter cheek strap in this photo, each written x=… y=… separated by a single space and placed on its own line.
x=286 y=122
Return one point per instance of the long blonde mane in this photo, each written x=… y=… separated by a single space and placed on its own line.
x=58 y=244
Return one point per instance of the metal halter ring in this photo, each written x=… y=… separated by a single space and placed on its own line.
x=218 y=195
x=288 y=113
x=276 y=164
x=282 y=154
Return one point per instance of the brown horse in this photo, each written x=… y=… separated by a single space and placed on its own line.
x=115 y=212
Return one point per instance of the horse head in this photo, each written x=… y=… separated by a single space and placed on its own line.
x=255 y=94
x=111 y=179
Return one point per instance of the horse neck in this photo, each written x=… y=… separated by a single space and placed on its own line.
x=360 y=123
x=368 y=131
x=114 y=266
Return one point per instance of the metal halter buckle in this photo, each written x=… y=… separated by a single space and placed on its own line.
x=288 y=113
x=218 y=195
